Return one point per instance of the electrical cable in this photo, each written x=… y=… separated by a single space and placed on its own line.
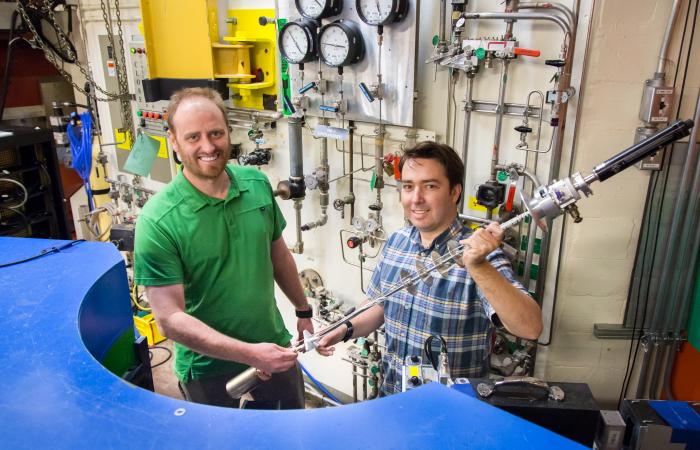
x=135 y=297
x=81 y=151
x=150 y=355
x=428 y=349
x=44 y=252
x=25 y=193
x=319 y=385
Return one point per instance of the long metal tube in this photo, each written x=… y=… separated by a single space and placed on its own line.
x=521 y=16
x=468 y=106
x=323 y=187
x=296 y=161
x=546 y=5
x=351 y=187
x=441 y=26
x=660 y=70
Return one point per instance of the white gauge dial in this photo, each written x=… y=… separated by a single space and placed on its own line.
x=375 y=12
x=295 y=43
x=334 y=46
x=358 y=223
x=371 y=225
x=312 y=9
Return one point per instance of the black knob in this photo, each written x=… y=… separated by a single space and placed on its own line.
x=414 y=359
x=523 y=129
x=414 y=381
x=555 y=62
x=354 y=242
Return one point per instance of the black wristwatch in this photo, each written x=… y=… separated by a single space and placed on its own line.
x=350 y=331
x=305 y=314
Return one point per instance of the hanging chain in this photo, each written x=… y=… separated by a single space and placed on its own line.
x=51 y=57
x=119 y=66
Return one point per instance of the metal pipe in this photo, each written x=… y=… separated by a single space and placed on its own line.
x=556 y=6
x=520 y=16
x=323 y=187
x=311 y=390
x=661 y=352
x=668 y=371
x=499 y=118
x=296 y=161
x=644 y=370
x=468 y=106
x=351 y=188
x=254 y=113
x=299 y=244
x=442 y=43
x=660 y=70
x=691 y=225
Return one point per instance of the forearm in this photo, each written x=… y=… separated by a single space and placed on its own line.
x=518 y=312
x=201 y=338
x=286 y=276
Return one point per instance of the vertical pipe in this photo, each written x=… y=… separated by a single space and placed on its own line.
x=296 y=162
x=351 y=132
x=660 y=70
x=468 y=107
x=500 y=109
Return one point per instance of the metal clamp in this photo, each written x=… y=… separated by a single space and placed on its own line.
x=554 y=392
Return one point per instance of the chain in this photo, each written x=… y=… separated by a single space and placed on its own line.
x=52 y=59
x=123 y=80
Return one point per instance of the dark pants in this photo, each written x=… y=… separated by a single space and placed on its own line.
x=287 y=387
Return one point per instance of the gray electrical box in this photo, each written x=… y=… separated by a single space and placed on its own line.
x=657 y=101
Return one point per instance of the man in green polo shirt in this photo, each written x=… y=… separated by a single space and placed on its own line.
x=208 y=247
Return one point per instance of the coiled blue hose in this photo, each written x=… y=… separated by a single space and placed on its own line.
x=81 y=151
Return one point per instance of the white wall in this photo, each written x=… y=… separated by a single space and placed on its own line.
x=598 y=254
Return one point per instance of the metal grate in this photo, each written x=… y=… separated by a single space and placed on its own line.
x=9 y=157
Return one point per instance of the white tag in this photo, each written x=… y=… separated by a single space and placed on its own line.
x=324 y=131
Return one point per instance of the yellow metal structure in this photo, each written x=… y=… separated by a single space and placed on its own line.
x=183 y=42
x=262 y=39
x=147 y=327
x=179 y=36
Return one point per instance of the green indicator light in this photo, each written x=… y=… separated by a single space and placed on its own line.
x=436 y=39
x=480 y=53
x=133 y=50
x=139 y=113
x=502 y=176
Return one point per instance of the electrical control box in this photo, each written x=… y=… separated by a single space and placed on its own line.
x=415 y=373
x=657 y=101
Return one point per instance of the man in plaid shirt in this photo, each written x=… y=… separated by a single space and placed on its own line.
x=462 y=307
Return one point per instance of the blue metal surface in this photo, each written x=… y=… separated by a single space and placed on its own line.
x=55 y=393
x=684 y=420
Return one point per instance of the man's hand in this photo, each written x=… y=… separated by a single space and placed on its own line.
x=271 y=358
x=304 y=324
x=482 y=242
x=325 y=345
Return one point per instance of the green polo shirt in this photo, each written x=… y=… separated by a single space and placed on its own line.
x=220 y=251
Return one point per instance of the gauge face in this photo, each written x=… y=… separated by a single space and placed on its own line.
x=371 y=225
x=334 y=45
x=340 y=43
x=380 y=12
x=319 y=9
x=296 y=43
x=358 y=223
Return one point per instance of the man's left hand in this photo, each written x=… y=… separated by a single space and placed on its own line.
x=482 y=242
x=304 y=324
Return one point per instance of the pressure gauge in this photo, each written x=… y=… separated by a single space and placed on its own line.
x=340 y=43
x=319 y=9
x=358 y=223
x=297 y=41
x=371 y=225
x=381 y=12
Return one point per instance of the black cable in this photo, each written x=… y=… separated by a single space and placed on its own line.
x=36 y=16
x=428 y=349
x=44 y=252
x=150 y=354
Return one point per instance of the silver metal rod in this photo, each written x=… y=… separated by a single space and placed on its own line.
x=660 y=68
x=499 y=118
x=468 y=105
x=520 y=16
x=547 y=5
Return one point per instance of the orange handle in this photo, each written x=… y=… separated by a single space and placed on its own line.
x=526 y=52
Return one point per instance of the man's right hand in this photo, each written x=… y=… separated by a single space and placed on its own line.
x=325 y=345
x=272 y=358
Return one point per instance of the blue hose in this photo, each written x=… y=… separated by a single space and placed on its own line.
x=319 y=385
x=81 y=151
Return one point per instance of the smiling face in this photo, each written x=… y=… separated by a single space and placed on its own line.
x=426 y=196
x=200 y=138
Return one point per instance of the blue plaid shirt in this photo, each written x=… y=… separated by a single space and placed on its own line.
x=452 y=307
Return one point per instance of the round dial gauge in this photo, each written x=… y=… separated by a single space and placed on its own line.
x=297 y=41
x=381 y=12
x=358 y=223
x=371 y=225
x=340 y=43
x=319 y=9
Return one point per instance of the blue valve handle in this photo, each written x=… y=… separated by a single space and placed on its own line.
x=307 y=87
x=365 y=91
x=288 y=104
x=329 y=108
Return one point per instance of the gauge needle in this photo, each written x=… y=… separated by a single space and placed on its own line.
x=295 y=42
x=378 y=9
x=318 y=3
x=332 y=45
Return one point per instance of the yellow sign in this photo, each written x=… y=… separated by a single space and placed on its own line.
x=475 y=206
x=126 y=145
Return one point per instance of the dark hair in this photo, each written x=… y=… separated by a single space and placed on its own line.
x=186 y=93
x=444 y=154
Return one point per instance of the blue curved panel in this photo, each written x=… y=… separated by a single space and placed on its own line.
x=55 y=393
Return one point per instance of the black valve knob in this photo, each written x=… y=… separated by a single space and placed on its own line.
x=354 y=242
x=555 y=62
x=414 y=381
x=523 y=129
x=414 y=359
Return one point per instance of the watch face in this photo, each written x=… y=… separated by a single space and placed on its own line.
x=375 y=12
x=294 y=43
x=334 y=46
